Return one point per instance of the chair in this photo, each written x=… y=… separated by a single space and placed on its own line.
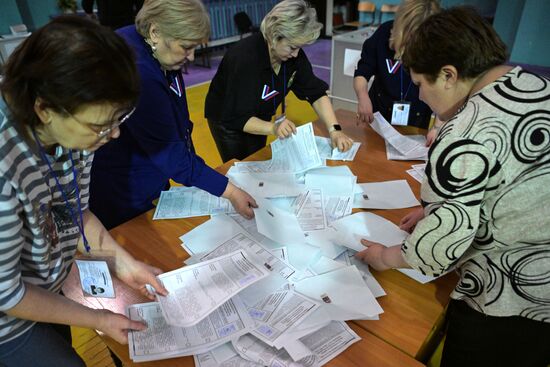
x=365 y=7
x=244 y=24
x=387 y=9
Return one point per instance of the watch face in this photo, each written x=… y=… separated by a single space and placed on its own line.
x=337 y=127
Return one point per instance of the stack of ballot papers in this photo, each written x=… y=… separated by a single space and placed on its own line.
x=276 y=290
x=398 y=146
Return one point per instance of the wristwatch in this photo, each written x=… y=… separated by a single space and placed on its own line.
x=335 y=127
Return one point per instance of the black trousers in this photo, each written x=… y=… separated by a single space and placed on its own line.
x=234 y=144
x=475 y=339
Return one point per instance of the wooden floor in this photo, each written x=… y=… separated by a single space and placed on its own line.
x=86 y=342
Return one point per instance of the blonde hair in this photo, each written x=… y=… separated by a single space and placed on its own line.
x=293 y=20
x=409 y=16
x=176 y=19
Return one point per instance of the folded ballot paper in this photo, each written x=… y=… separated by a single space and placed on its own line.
x=385 y=195
x=185 y=202
x=406 y=147
x=351 y=229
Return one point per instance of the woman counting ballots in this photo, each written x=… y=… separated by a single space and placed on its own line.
x=485 y=194
x=65 y=91
x=256 y=74
x=393 y=94
x=155 y=145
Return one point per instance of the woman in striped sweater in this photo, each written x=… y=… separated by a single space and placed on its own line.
x=64 y=93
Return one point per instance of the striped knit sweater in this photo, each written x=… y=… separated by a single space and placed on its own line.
x=38 y=237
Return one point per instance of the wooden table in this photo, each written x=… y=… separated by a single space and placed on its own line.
x=411 y=309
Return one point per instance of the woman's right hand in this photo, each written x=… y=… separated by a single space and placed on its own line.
x=409 y=221
x=284 y=129
x=364 y=110
x=116 y=325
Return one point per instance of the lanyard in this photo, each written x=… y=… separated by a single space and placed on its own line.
x=409 y=87
x=80 y=224
x=284 y=90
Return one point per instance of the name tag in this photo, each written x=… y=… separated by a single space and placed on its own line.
x=400 y=113
x=95 y=278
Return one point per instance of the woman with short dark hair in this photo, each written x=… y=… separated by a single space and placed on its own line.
x=65 y=91
x=485 y=194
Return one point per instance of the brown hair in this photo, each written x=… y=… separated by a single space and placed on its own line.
x=409 y=16
x=68 y=63
x=456 y=36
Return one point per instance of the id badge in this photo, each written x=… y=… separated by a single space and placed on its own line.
x=400 y=113
x=95 y=278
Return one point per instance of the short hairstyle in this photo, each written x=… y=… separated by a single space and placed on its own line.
x=409 y=16
x=457 y=36
x=293 y=20
x=177 y=19
x=69 y=63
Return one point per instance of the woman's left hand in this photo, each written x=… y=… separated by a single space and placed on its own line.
x=341 y=141
x=372 y=255
x=137 y=274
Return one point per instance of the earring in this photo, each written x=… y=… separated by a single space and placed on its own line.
x=153 y=47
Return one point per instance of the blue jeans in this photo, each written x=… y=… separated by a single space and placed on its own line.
x=44 y=345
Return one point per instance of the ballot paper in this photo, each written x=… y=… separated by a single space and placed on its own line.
x=277 y=224
x=299 y=254
x=251 y=167
x=326 y=151
x=418 y=154
x=353 y=228
x=197 y=290
x=205 y=237
x=185 y=202
x=279 y=270
x=267 y=185
x=385 y=195
x=415 y=174
x=401 y=143
x=325 y=241
x=326 y=265
x=310 y=210
x=417 y=171
x=337 y=207
x=342 y=293
x=223 y=356
x=161 y=340
x=377 y=229
x=296 y=153
x=279 y=312
x=324 y=344
x=348 y=258
x=334 y=181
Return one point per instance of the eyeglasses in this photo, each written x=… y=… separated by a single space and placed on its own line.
x=103 y=132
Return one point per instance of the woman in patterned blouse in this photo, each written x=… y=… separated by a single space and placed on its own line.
x=485 y=195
